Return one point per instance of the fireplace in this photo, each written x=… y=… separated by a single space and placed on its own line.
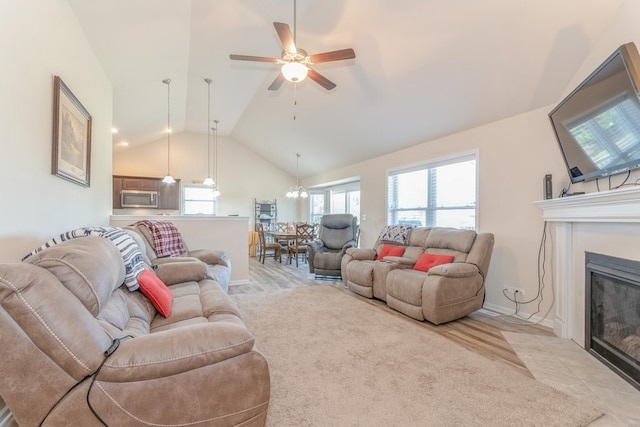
x=612 y=332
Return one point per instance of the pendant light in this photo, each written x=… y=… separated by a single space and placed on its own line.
x=216 y=190
x=208 y=180
x=297 y=191
x=168 y=179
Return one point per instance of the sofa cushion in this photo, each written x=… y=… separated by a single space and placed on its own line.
x=451 y=238
x=390 y=250
x=156 y=291
x=79 y=264
x=129 y=250
x=427 y=261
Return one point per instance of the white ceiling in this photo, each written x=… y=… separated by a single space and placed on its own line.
x=423 y=69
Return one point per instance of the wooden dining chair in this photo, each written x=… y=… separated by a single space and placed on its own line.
x=267 y=248
x=282 y=227
x=304 y=236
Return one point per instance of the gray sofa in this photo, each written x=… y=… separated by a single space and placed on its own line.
x=337 y=233
x=64 y=309
x=444 y=293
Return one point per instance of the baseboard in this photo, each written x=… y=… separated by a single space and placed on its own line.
x=522 y=315
x=239 y=282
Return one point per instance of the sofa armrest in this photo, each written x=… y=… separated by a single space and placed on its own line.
x=403 y=261
x=455 y=270
x=170 y=260
x=171 y=352
x=172 y=273
x=211 y=257
x=315 y=245
x=361 y=253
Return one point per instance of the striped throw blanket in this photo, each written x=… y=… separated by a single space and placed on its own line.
x=167 y=240
x=131 y=255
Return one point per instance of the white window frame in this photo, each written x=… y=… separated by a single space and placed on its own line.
x=328 y=191
x=184 y=201
x=431 y=208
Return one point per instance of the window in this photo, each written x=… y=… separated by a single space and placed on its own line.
x=198 y=199
x=338 y=199
x=439 y=194
x=316 y=210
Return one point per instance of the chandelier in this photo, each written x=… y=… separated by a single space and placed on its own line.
x=298 y=190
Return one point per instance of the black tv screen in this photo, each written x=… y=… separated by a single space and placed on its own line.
x=598 y=124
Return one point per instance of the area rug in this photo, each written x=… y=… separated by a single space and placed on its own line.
x=336 y=360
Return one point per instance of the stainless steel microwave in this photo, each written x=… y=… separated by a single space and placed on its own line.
x=139 y=199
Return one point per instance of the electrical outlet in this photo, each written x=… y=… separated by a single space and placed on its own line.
x=510 y=289
x=513 y=290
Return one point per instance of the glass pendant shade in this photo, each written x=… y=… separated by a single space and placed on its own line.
x=294 y=71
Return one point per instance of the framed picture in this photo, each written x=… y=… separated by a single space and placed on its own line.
x=71 y=151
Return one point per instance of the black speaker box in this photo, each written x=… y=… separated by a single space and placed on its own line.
x=548 y=188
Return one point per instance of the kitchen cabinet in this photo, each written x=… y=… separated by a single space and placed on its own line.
x=168 y=194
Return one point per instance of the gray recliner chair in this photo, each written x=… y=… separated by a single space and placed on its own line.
x=337 y=233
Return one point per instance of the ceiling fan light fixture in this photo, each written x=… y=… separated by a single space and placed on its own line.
x=294 y=71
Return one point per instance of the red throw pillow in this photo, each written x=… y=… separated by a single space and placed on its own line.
x=156 y=291
x=427 y=261
x=390 y=250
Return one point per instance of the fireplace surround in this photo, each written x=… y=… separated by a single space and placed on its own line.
x=612 y=332
x=606 y=222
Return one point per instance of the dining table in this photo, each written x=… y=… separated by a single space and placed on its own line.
x=281 y=235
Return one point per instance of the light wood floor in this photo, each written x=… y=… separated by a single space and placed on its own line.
x=479 y=332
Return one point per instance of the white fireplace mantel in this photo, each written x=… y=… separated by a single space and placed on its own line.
x=621 y=206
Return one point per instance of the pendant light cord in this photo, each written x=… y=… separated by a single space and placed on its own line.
x=167 y=82
x=215 y=133
x=209 y=129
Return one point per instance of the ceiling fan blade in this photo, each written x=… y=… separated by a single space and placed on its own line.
x=320 y=79
x=286 y=37
x=253 y=58
x=277 y=82
x=336 y=55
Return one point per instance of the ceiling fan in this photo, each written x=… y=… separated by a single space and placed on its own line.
x=295 y=61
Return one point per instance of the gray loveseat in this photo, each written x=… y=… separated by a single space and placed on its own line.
x=446 y=292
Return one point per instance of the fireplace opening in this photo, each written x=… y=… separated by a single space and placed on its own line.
x=613 y=313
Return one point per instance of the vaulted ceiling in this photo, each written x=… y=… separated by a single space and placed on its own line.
x=423 y=69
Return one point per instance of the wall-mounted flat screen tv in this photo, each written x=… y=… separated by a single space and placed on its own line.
x=598 y=124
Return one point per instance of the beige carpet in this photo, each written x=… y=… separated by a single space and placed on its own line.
x=338 y=361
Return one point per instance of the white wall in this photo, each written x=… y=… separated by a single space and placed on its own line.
x=514 y=155
x=242 y=174
x=40 y=39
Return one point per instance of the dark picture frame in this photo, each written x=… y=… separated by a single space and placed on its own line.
x=71 y=148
